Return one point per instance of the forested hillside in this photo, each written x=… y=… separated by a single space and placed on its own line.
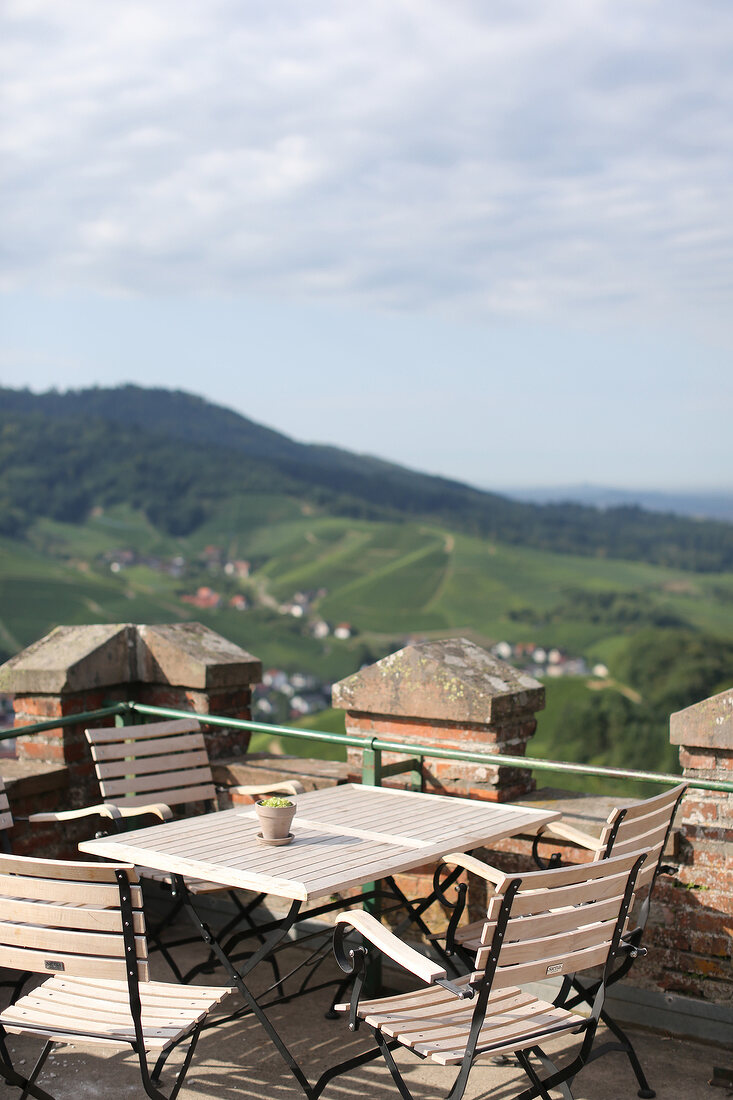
x=148 y=506
x=180 y=459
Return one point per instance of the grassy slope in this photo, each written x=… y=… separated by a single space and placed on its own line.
x=389 y=580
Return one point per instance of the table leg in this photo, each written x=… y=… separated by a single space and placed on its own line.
x=270 y=943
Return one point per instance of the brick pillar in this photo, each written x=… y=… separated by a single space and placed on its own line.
x=80 y=668
x=451 y=694
x=695 y=930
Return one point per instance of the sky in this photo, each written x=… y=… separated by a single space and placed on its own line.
x=490 y=239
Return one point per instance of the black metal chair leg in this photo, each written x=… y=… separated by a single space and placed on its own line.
x=38 y=1067
x=645 y=1090
x=550 y=1067
x=392 y=1067
x=529 y=1069
x=27 y=1085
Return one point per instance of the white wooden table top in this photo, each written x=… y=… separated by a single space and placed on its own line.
x=344 y=836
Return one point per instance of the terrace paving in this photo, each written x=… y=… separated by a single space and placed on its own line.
x=236 y=1060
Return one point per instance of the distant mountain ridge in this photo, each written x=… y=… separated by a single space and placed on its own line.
x=703 y=504
x=178 y=458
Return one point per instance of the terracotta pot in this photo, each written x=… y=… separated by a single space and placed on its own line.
x=275 y=821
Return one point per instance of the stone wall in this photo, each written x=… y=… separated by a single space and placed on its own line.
x=78 y=669
x=450 y=694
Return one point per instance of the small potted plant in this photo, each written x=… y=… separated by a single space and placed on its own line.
x=276 y=816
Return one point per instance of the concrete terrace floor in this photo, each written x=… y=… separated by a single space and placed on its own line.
x=236 y=1060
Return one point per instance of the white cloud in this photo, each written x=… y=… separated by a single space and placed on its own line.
x=513 y=159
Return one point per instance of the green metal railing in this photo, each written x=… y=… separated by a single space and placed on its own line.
x=373 y=770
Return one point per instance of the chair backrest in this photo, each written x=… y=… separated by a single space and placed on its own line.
x=641 y=827
x=158 y=762
x=64 y=917
x=556 y=922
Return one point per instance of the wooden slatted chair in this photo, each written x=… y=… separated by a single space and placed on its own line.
x=634 y=827
x=6 y=824
x=156 y=769
x=541 y=924
x=82 y=925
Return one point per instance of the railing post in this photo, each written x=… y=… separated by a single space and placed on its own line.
x=371 y=767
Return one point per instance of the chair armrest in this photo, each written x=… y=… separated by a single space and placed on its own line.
x=560 y=830
x=392 y=946
x=286 y=786
x=475 y=866
x=104 y=809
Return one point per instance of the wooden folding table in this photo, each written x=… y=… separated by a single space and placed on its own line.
x=344 y=837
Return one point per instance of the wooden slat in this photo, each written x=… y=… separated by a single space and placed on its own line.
x=40 y=937
x=19 y=958
x=657 y=817
x=566 y=876
x=172 y=798
x=146 y=764
x=63 y=869
x=441 y=1031
x=581 y=894
x=638 y=840
x=104 y=895
x=539 y=949
x=104 y=734
x=152 y=993
x=551 y=923
x=163 y=747
x=566 y=963
x=430 y=995
x=64 y=916
x=6 y=818
x=160 y=782
x=99 y=1011
x=649 y=805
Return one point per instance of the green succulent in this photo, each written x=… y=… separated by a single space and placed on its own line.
x=276 y=802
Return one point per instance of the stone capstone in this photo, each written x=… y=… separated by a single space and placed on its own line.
x=72 y=658
x=708 y=724
x=80 y=658
x=452 y=679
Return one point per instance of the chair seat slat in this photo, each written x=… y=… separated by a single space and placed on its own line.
x=442 y=1034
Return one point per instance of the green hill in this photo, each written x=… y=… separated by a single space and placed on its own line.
x=178 y=459
x=115 y=504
